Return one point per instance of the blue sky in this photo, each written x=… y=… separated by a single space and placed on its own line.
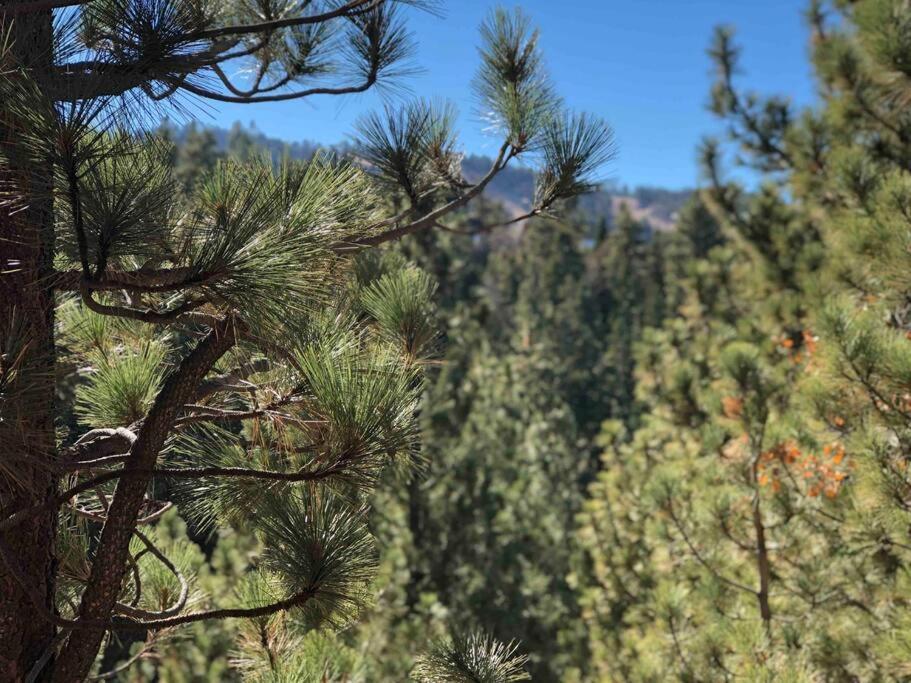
x=640 y=64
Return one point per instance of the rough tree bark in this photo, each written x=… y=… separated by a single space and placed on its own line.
x=110 y=562
x=27 y=446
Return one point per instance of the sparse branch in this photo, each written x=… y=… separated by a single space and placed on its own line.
x=256 y=89
x=273 y=25
x=699 y=558
x=181 y=601
x=431 y=218
x=146 y=316
x=489 y=226
x=297 y=600
x=368 y=82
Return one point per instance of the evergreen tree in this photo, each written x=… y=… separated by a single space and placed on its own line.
x=239 y=350
x=196 y=157
x=240 y=143
x=627 y=278
x=773 y=540
x=509 y=433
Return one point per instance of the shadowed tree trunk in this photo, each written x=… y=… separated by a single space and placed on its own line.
x=27 y=418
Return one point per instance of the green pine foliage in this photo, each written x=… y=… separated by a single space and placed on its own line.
x=754 y=525
x=471 y=658
x=243 y=380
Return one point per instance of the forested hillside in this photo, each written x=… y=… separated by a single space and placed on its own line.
x=513 y=189
x=537 y=349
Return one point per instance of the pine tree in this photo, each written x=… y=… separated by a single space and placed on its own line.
x=627 y=279
x=196 y=157
x=759 y=508
x=236 y=347
x=240 y=143
x=485 y=534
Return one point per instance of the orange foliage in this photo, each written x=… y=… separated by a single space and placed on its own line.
x=822 y=474
x=732 y=406
x=809 y=342
x=805 y=349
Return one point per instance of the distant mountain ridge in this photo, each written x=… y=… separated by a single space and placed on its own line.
x=513 y=187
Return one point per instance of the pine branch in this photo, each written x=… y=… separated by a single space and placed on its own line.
x=489 y=227
x=368 y=83
x=428 y=220
x=110 y=564
x=148 y=281
x=294 y=601
x=98 y=443
x=319 y=474
x=184 y=593
x=345 y=10
x=176 y=314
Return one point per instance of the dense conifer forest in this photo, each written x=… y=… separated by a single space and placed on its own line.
x=292 y=412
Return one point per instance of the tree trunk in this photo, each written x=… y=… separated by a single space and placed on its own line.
x=27 y=444
x=110 y=562
x=762 y=562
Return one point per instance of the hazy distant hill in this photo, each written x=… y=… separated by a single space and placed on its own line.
x=513 y=187
x=653 y=205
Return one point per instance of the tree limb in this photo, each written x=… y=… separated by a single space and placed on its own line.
x=428 y=220
x=109 y=564
x=282 y=97
x=146 y=316
x=227 y=381
x=275 y=24
x=98 y=443
x=181 y=601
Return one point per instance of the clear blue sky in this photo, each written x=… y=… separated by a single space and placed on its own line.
x=640 y=64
